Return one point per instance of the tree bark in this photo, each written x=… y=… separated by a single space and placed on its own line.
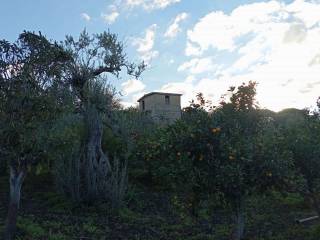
x=75 y=179
x=313 y=196
x=97 y=163
x=315 y=202
x=16 y=180
x=195 y=201
x=238 y=232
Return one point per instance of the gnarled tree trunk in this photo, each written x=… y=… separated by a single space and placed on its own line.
x=96 y=161
x=16 y=180
x=238 y=232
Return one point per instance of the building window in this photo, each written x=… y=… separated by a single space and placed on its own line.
x=143 y=106
x=167 y=99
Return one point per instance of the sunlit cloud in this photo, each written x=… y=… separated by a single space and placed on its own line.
x=85 y=16
x=198 y=65
x=150 y=5
x=111 y=15
x=132 y=86
x=174 y=28
x=145 y=44
x=273 y=43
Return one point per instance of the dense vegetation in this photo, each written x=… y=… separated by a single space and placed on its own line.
x=82 y=167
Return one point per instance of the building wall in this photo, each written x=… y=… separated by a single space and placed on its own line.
x=161 y=111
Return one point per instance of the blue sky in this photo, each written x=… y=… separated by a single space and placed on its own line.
x=194 y=45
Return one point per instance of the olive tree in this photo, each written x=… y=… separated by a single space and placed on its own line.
x=93 y=58
x=29 y=69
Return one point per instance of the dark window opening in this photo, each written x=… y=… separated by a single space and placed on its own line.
x=167 y=99
x=143 y=107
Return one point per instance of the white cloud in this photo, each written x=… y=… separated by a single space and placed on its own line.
x=85 y=16
x=132 y=102
x=273 y=43
x=223 y=31
x=174 y=28
x=184 y=88
x=150 y=4
x=138 y=95
x=126 y=104
x=212 y=89
x=132 y=86
x=198 y=65
x=112 y=14
x=145 y=45
x=307 y=11
x=192 y=50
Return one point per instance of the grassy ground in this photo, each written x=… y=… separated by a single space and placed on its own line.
x=151 y=216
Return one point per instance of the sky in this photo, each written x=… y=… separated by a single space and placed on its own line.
x=194 y=46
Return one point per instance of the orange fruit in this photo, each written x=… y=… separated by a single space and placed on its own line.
x=269 y=174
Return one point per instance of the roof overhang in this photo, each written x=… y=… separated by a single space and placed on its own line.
x=160 y=93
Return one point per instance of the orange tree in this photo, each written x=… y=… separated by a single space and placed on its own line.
x=234 y=150
x=252 y=157
x=302 y=131
x=176 y=157
x=134 y=127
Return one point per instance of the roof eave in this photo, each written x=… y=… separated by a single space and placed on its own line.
x=161 y=93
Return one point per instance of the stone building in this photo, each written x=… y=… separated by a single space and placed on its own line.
x=163 y=107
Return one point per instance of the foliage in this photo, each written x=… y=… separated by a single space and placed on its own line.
x=234 y=150
x=252 y=157
x=30 y=228
x=252 y=154
x=230 y=167
x=28 y=71
x=302 y=131
x=65 y=147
